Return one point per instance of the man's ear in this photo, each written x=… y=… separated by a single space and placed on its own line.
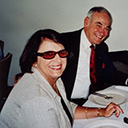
x=86 y=21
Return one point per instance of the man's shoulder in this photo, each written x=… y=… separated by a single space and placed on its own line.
x=72 y=33
x=72 y=37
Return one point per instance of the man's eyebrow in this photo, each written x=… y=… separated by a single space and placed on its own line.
x=99 y=23
x=109 y=27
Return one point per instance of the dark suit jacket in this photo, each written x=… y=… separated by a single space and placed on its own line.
x=104 y=67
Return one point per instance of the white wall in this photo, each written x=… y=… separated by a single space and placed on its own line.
x=19 y=19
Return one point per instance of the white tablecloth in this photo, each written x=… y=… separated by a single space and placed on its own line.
x=79 y=123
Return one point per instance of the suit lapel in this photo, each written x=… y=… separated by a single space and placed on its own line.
x=71 y=69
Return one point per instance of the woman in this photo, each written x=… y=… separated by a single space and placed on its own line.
x=38 y=99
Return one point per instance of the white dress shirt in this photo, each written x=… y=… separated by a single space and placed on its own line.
x=82 y=81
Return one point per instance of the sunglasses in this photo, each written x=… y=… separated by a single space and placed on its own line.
x=51 y=54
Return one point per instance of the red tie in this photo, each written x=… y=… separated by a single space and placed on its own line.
x=92 y=68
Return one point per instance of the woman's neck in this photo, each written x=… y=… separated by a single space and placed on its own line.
x=52 y=82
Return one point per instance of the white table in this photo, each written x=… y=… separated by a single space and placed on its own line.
x=79 y=123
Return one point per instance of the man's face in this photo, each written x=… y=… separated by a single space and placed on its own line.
x=97 y=28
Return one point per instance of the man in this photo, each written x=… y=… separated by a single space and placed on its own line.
x=76 y=78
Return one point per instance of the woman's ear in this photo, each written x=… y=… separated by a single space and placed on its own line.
x=86 y=21
x=34 y=65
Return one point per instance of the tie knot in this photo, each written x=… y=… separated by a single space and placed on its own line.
x=92 y=46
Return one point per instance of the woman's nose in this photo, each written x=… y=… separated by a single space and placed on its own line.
x=57 y=57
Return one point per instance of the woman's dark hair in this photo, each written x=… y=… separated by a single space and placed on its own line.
x=28 y=57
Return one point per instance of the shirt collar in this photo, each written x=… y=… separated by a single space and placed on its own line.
x=43 y=82
x=84 y=41
x=40 y=78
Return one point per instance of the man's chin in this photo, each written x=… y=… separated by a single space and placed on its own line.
x=98 y=42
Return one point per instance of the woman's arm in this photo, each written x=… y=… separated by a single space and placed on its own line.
x=85 y=113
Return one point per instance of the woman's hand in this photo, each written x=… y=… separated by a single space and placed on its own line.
x=112 y=108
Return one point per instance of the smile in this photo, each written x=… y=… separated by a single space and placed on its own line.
x=98 y=36
x=56 y=67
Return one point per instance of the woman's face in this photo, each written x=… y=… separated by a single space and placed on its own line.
x=51 y=69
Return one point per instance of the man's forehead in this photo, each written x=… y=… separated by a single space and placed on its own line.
x=102 y=18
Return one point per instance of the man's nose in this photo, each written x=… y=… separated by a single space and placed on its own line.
x=102 y=31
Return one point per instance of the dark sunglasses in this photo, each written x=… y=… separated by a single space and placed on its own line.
x=51 y=54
